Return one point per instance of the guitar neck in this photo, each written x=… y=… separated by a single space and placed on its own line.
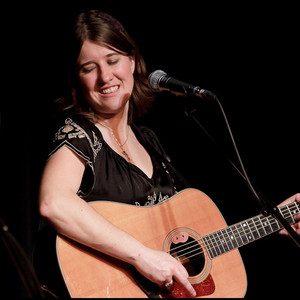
x=247 y=231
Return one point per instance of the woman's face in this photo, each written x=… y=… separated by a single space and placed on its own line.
x=106 y=78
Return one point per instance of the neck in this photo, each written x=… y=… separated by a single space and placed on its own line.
x=120 y=138
x=117 y=122
x=117 y=128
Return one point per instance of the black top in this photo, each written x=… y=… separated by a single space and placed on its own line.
x=108 y=176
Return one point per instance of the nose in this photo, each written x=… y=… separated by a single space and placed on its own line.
x=104 y=75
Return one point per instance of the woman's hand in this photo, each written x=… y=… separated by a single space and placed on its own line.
x=161 y=268
x=296 y=226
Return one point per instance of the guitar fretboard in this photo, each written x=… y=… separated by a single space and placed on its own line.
x=247 y=231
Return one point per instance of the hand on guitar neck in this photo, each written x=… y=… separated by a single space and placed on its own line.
x=296 y=225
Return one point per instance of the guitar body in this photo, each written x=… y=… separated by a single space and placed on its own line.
x=88 y=273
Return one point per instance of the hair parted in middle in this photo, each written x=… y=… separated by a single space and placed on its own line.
x=103 y=29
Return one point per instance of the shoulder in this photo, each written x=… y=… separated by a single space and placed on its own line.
x=66 y=124
x=77 y=133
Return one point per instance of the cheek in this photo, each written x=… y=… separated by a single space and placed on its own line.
x=128 y=75
x=132 y=65
x=86 y=83
x=129 y=82
x=127 y=68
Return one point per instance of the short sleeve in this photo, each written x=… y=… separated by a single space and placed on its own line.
x=79 y=136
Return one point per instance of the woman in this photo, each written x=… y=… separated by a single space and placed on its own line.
x=99 y=154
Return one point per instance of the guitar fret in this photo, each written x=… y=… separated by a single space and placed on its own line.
x=228 y=239
x=244 y=234
x=221 y=251
x=258 y=233
x=213 y=251
x=207 y=242
x=274 y=224
x=251 y=235
x=266 y=224
x=238 y=236
x=263 y=230
x=222 y=241
x=289 y=213
x=234 y=238
x=253 y=229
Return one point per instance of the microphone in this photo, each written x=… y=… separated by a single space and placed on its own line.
x=159 y=81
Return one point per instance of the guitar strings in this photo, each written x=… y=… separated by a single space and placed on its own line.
x=285 y=211
x=216 y=244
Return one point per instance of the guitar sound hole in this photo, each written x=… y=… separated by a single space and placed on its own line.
x=190 y=254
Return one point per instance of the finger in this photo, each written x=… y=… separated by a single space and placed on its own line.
x=169 y=285
x=295 y=227
x=297 y=217
x=186 y=284
x=294 y=198
x=297 y=197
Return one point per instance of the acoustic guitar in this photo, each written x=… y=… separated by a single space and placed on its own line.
x=190 y=227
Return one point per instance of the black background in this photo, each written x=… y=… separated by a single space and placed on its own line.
x=247 y=54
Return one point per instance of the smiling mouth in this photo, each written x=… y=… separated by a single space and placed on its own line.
x=109 y=90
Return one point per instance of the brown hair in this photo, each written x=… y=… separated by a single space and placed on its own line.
x=103 y=29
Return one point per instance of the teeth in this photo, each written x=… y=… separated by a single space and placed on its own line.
x=110 y=90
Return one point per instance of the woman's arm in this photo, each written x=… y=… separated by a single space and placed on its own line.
x=71 y=216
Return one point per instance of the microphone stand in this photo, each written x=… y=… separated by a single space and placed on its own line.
x=267 y=208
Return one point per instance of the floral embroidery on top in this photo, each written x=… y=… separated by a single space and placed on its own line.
x=72 y=130
x=153 y=200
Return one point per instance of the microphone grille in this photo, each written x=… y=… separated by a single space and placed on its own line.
x=154 y=79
